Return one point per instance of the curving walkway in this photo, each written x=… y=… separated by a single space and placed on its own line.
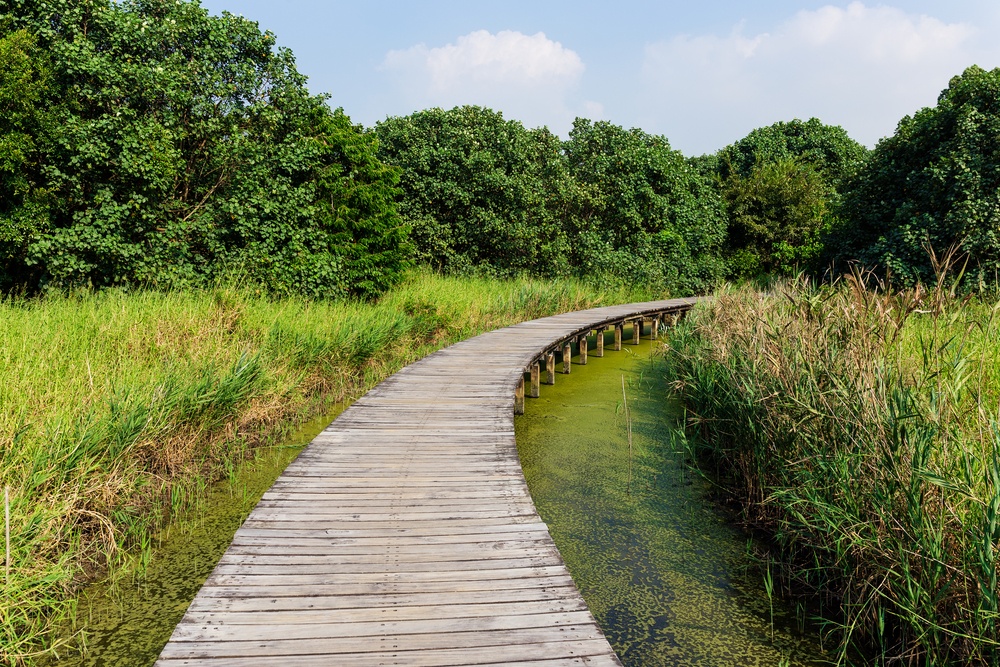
x=404 y=533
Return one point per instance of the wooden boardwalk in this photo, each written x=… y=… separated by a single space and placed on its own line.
x=404 y=533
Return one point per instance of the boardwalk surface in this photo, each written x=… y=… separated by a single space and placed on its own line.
x=404 y=534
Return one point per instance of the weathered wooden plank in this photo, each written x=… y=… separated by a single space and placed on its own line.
x=378 y=643
x=336 y=563
x=305 y=586
x=222 y=632
x=332 y=576
x=592 y=652
x=215 y=604
x=305 y=616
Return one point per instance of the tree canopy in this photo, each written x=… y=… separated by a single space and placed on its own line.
x=147 y=143
x=782 y=185
x=485 y=194
x=934 y=184
x=826 y=148
x=480 y=193
x=174 y=145
x=646 y=214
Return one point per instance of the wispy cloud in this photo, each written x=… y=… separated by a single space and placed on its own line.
x=529 y=77
x=857 y=66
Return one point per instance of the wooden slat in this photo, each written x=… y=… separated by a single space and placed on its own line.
x=404 y=534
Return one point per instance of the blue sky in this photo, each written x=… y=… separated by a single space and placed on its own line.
x=701 y=73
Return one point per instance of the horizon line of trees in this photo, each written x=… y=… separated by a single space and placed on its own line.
x=147 y=143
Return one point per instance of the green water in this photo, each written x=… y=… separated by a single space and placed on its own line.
x=128 y=623
x=665 y=574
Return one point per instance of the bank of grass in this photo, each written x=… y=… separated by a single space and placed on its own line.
x=116 y=408
x=860 y=429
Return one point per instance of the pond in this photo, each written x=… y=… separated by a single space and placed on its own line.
x=667 y=576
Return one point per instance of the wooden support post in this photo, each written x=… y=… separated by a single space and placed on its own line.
x=550 y=368
x=584 y=346
x=654 y=333
x=536 y=376
x=618 y=336
x=599 y=352
x=567 y=357
x=636 y=331
x=519 y=397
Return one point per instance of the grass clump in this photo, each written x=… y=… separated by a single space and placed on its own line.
x=860 y=428
x=117 y=408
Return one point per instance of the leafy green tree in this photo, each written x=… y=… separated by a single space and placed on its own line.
x=776 y=216
x=826 y=148
x=480 y=193
x=934 y=183
x=782 y=187
x=24 y=95
x=644 y=213
x=182 y=145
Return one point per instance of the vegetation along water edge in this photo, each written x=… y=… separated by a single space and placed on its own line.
x=859 y=428
x=118 y=407
x=149 y=151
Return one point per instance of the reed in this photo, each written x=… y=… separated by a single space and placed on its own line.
x=118 y=409
x=859 y=427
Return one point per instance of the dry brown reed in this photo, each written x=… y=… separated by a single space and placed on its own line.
x=858 y=426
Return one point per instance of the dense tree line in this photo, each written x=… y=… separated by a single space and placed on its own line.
x=145 y=142
x=933 y=185
x=485 y=194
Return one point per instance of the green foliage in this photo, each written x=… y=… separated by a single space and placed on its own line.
x=776 y=215
x=936 y=183
x=482 y=194
x=115 y=403
x=827 y=148
x=782 y=187
x=180 y=145
x=25 y=82
x=648 y=215
x=859 y=430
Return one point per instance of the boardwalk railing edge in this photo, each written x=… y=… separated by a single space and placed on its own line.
x=649 y=309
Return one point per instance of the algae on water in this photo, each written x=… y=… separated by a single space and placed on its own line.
x=660 y=567
x=127 y=626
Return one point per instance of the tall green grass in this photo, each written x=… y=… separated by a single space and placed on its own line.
x=117 y=408
x=860 y=428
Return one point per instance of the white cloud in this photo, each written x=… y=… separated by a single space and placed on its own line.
x=857 y=66
x=529 y=77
